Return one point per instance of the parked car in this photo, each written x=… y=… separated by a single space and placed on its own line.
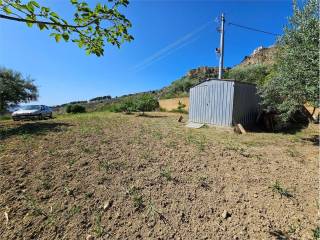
x=32 y=112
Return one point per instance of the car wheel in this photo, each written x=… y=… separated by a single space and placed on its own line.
x=50 y=116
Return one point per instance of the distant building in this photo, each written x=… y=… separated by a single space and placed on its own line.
x=223 y=103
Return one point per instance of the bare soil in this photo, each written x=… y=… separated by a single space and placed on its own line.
x=115 y=176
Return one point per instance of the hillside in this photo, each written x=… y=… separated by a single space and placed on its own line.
x=180 y=87
x=261 y=55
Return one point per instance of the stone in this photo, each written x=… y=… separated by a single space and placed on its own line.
x=225 y=214
x=107 y=205
x=90 y=237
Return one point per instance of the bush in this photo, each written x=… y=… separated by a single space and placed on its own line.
x=180 y=108
x=128 y=105
x=146 y=103
x=251 y=74
x=75 y=109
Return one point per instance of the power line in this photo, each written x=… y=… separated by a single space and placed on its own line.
x=253 y=29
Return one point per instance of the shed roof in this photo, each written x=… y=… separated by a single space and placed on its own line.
x=226 y=80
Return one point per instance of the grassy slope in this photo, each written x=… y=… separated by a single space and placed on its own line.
x=124 y=177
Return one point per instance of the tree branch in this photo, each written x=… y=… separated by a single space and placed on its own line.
x=46 y=23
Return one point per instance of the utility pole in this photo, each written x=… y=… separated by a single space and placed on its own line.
x=221 y=46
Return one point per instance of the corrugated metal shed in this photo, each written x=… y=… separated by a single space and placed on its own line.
x=223 y=102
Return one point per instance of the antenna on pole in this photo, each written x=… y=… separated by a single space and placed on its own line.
x=221 y=49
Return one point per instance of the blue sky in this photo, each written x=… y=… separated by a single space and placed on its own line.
x=171 y=37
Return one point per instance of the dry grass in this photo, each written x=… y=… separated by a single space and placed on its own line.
x=164 y=181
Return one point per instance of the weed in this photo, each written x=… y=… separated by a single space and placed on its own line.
x=46 y=184
x=171 y=144
x=153 y=212
x=88 y=150
x=203 y=182
x=98 y=228
x=132 y=191
x=88 y=195
x=74 y=210
x=236 y=147
x=165 y=173
x=292 y=152
x=34 y=206
x=51 y=152
x=201 y=143
x=105 y=165
x=138 y=202
x=137 y=198
x=69 y=191
x=157 y=134
x=198 y=141
x=108 y=166
x=316 y=233
x=25 y=136
x=71 y=162
x=276 y=187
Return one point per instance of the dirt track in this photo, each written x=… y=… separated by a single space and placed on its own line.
x=115 y=176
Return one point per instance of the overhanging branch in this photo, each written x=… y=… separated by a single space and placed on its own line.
x=45 y=22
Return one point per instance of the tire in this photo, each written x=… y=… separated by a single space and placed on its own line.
x=50 y=116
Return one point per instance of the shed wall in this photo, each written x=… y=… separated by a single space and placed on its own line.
x=212 y=102
x=246 y=104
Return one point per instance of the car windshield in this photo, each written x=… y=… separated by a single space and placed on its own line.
x=31 y=107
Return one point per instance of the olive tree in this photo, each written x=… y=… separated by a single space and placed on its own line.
x=88 y=27
x=146 y=103
x=14 y=88
x=294 y=80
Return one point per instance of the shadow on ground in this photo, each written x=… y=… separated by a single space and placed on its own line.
x=33 y=128
x=314 y=139
x=279 y=235
x=151 y=116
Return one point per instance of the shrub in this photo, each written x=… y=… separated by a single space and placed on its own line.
x=128 y=105
x=251 y=74
x=180 y=108
x=75 y=109
x=146 y=102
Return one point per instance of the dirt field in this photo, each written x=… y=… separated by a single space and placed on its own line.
x=114 y=176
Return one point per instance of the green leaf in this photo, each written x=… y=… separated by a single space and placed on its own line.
x=57 y=37
x=53 y=14
x=65 y=36
x=42 y=26
x=30 y=7
x=74 y=1
x=34 y=3
x=29 y=23
x=7 y=10
x=53 y=20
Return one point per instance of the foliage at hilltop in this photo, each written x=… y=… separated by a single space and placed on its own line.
x=181 y=87
x=255 y=73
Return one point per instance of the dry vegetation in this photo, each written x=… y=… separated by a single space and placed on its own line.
x=115 y=176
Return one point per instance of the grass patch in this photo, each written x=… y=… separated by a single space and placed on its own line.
x=166 y=174
x=316 y=233
x=277 y=188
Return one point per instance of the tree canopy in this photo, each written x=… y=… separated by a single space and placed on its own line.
x=294 y=80
x=14 y=88
x=89 y=28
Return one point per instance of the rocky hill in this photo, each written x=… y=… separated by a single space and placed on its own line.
x=261 y=55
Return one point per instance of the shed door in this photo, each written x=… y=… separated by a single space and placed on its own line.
x=201 y=112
